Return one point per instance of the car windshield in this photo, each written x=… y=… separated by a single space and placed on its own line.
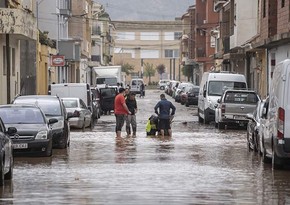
x=50 y=107
x=241 y=97
x=107 y=81
x=216 y=88
x=70 y=103
x=21 y=116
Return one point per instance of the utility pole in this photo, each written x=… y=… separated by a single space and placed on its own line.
x=8 y=62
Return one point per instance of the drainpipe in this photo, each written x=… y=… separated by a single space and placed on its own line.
x=8 y=61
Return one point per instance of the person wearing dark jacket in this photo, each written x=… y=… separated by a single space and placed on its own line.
x=131 y=118
x=164 y=114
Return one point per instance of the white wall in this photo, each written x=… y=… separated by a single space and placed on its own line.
x=246 y=22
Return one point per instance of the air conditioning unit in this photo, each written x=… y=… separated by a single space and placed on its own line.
x=204 y=21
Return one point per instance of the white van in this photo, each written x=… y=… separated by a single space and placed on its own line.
x=135 y=85
x=79 y=90
x=276 y=136
x=211 y=87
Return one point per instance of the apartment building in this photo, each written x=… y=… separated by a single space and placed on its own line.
x=18 y=35
x=150 y=42
x=79 y=31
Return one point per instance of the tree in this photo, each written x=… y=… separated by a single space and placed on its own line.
x=187 y=71
x=160 y=70
x=127 y=68
x=149 y=71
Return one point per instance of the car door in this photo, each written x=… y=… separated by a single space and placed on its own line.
x=265 y=133
x=86 y=112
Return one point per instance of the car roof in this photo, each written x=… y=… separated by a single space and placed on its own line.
x=20 y=106
x=37 y=97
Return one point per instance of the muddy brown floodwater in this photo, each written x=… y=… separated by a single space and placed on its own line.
x=199 y=165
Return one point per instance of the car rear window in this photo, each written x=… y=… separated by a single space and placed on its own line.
x=70 y=103
x=242 y=97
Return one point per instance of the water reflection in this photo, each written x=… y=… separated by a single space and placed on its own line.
x=6 y=193
x=125 y=150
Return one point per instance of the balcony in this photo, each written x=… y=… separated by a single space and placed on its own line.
x=18 y=22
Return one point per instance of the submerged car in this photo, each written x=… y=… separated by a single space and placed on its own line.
x=82 y=115
x=53 y=107
x=6 y=152
x=34 y=133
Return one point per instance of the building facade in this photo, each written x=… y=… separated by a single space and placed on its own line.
x=18 y=36
x=153 y=43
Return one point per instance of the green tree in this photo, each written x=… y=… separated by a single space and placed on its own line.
x=187 y=71
x=160 y=70
x=127 y=68
x=149 y=71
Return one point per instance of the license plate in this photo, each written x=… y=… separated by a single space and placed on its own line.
x=20 y=146
x=239 y=117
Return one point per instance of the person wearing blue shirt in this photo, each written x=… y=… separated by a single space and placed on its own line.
x=164 y=114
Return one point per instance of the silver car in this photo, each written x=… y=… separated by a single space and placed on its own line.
x=82 y=115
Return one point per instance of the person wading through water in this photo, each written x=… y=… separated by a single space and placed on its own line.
x=121 y=111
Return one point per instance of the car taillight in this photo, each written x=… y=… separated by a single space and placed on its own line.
x=223 y=108
x=281 y=120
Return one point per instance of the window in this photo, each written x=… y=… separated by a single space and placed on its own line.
x=264 y=8
x=149 y=36
x=171 y=53
x=125 y=36
x=282 y=3
x=177 y=35
x=13 y=61
x=171 y=36
x=149 y=53
x=129 y=51
x=4 y=60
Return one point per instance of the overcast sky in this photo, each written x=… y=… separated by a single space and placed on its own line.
x=145 y=9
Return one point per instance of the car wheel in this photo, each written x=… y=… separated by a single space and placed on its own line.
x=9 y=174
x=248 y=142
x=216 y=125
x=1 y=170
x=277 y=162
x=221 y=125
x=264 y=156
x=256 y=142
x=259 y=150
x=48 y=151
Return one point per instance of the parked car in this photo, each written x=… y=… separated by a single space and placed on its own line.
x=233 y=107
x=212 y=86
x=34 y=133
x=107 y=99
x=182 y=87
x=82 y=115
x=162 y=83
x=263 y=131
x=253 y=137
x=53 y=107
x=191 y=98
x=276 y=135
x=183 y=94
x=6 y=152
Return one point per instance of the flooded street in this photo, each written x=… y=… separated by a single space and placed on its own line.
x=199 y=165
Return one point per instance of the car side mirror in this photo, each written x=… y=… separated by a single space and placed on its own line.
x=11 y=130
x=219 y=100
x=52 y=121
x=250 y=116
x=204 y=93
